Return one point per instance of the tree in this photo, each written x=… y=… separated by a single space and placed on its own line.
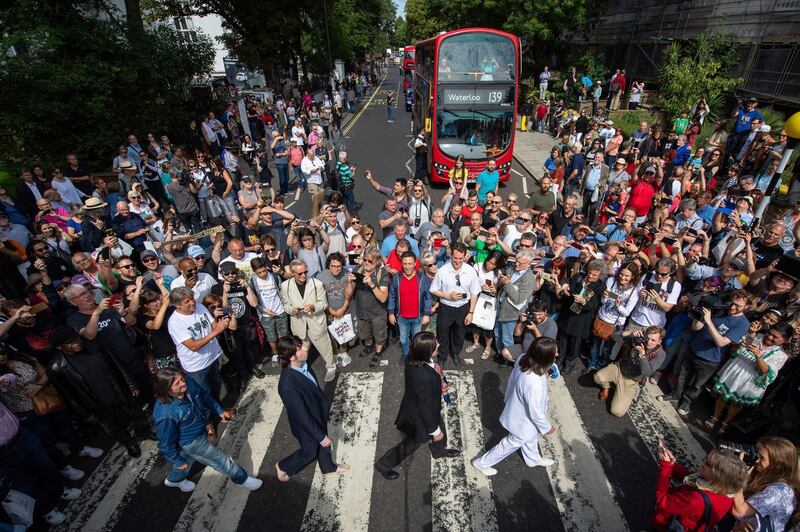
x=420 y=21
x=400 y=36
x=65 y=94
x=697 y=69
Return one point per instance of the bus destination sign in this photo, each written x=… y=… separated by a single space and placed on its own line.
x=476 y=96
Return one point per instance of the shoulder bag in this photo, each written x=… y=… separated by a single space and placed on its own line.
x=47 y=400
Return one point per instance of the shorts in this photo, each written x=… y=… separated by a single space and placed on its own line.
x=374 y=327
x=314 y=187
x=275 y=326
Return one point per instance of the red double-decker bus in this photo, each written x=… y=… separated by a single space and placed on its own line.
x=465 y=98
x=408 y=67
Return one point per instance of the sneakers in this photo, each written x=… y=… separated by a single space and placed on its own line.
x=70 y=494
x=667 y=397
x=330 y=375
x=54 y=517
x=376 y=360
x=544 y=462
x=72 y=473
x=344 y=359
x=487 y=471
x=184 y=485
x=252 y=483
x=91 y=452
x=683 y=410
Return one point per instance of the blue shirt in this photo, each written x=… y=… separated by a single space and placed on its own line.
x=304 y=370
x=762 y=181
x=682 y=155
x=577 y=163
x=488 y=181
x=731 y=327
x=743 y=119
x=593 y=177
x=706 y=213
x=391 y=241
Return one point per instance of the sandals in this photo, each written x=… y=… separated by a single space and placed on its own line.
x=486 y=354
x=472 y=348
x=711 y=422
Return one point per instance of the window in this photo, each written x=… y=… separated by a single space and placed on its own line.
x=477 y=57
x=477 y=135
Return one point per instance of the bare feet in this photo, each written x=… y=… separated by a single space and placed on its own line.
x=282 y=476
x=343 y=468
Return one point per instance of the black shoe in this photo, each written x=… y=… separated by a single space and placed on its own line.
x=391 y=475
x=133 y=450
x=456 y=361
x=376 y=360
x=367 y=350
x=257 y=373
x=401 y=362
x=445 y=453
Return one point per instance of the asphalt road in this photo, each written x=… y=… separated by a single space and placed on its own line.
x=603 y=478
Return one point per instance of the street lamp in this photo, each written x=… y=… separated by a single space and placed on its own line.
x=792 y=128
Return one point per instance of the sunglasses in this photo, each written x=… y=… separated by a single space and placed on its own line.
x=149 y=259
x=301 y=273
x=126 y=266
x=269 y=250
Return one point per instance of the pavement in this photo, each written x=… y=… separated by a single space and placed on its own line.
x=603 y=477
x=531 y=149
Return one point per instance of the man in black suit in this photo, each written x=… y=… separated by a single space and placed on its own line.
x=308 y=410
x=420 y=416
x=28 y=193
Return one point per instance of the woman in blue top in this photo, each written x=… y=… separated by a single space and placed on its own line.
x=180 y=415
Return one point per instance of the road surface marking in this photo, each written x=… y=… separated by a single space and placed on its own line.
x=109 y=489
x=286 y=208
x=217 y=503
x=584 y=496
x=341 y=502
x=655 y=420
x=524 y=183
x=353 y=120
x=461 y=496
x=297 y=193
x=518 y=173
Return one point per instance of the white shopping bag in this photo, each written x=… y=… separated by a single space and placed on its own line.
x=485 y=312
x=342 y=329
x=19 y=507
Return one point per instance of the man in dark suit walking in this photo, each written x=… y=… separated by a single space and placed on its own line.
x=308 y=410
x=420 y=416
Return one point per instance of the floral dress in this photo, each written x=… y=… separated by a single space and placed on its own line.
x=777 y=501
x=739 y=381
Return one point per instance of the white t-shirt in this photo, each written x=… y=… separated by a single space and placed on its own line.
x=647 y=312
x=312 y=170
x=194 y=327
x=269 y=296
x=297 y=134
x=243 y=264
x=464 y=281
x=609 y=311
x=201 y=288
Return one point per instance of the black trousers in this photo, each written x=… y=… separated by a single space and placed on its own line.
x=308 y=452
x=450 y=329
x=570 y=348
x=406 y=448
x=117 y=421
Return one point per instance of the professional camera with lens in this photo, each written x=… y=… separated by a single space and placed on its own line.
x=718 y=303
x=749 y=451
x=637 y=340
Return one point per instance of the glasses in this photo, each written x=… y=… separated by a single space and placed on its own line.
x=417 y=190
x=269 y=250
x=190 y=271
x=430 y=265
x=57 y=172
x=192 y=166
x=149 y=259
x=493 y=202
x=234 y=272
x=458 y=280
x=357 y=247
x=525 y=246
x=126 y=265
x=369 y=261
x=524 y=220
x=662 y=274
x=368 y=235
x=212 y=307
x=301 y=273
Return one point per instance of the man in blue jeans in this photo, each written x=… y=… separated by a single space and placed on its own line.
x=409 y=301
x=181 y=413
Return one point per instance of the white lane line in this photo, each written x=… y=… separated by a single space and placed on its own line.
x=655 y=421
x=286 y=208
x=524 y=183
x=461 y=496
x=518 y=173
x=341 y=502
x=585 y=497
x=217 y=503
x=109 y=489
x=297 y=193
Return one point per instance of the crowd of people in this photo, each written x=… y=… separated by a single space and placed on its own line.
x=633 y=259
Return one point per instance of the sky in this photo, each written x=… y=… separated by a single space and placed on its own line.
x=401 y=7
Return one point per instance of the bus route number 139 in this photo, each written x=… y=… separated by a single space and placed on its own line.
x=495 y=96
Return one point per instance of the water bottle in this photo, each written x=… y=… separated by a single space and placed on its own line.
x=554 y=371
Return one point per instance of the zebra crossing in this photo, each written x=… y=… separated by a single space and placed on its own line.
x=576 y=491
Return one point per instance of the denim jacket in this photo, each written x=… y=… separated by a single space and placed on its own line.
x=425 y=298
x=181 y=421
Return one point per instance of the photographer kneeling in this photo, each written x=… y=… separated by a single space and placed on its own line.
x=632 y=370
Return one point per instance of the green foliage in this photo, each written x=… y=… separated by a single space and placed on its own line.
x=592 y=64
x=421 y=22
x=84 y=94
x=694 y=70
x=774 y=118
x=400 y=36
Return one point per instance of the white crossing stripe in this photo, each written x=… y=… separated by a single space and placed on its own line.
x=584 y=496
x=462 y=497
x=217 y=503
x=109 y=489
x=341 y=501
x=655 y=420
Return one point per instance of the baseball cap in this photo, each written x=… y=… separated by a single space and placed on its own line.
x=650 y=170
x=61 y=335
x=79 y=279
x=195 y=251
x=147 y=253
x=738 y=263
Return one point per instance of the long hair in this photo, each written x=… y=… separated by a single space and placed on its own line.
x=782 y=466
x=423 y=346
x=162 y=383
x=540 y=356
x=287 y=348
x=729 y=473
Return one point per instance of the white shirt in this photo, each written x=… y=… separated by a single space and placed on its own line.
x=67 y=191
x=194 y=327
x=201 y=288
x=447 y=280
x=312 y=169
x=297 y=132
x=609 y=311
x=243 y=265
x=208 y=131
x=647 y=312
x=269 y=295
x=418 y=210
x=34 y=190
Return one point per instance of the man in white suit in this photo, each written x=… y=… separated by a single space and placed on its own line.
x=525 y=413
x=305 y=301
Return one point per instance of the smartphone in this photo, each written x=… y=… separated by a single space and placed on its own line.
x=691 y=231
x=226 y=312
x=727 y=208
x=669 y=240
x=113 y=300
x=438 y=242
x=109 y=232
x=576 y=245
x=665 y=201
x=487 y=282
x=463 y=295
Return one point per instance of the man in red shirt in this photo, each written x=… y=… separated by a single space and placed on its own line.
x=642 y=192
x=472 y=205
x=409 y=301
x=541 y=115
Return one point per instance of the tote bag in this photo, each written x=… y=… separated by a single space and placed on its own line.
x=485 y=312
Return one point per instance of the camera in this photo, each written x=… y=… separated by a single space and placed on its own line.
x=750 y=452
x=717 y=303
x=226 y=312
